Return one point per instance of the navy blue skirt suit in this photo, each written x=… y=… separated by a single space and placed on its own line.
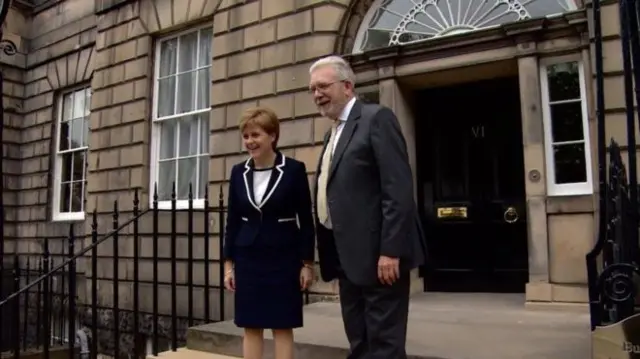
x=268 y=242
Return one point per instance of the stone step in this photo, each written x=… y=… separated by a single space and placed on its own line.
x=322 y=337
x=184 y=353
x=226 y=339
x=441 y=326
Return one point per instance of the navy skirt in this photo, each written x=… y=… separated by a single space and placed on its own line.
x=268 y=293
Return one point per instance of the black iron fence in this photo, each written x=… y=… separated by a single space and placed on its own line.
x=146 y=301
x=46 y=313
x=22 y=322
x=613 y=263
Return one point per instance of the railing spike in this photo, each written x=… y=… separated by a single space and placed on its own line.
x=15 y=337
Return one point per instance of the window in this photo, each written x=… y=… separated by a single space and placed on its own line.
x=566 y=129
x=180 y=151
x=398 y=22
x=70 y=168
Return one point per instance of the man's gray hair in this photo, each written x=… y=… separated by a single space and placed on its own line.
x=342 y=68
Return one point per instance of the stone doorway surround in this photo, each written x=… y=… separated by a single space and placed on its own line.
x=520 y=48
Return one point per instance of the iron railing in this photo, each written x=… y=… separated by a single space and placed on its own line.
x=45 y=312
x=612 y=282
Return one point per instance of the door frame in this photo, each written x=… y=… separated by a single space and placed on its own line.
x=395 y=93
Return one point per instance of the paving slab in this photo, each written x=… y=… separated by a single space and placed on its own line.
x=184 y=353
x=441 y=326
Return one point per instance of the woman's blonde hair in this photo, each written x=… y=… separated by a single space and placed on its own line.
x=264 y=118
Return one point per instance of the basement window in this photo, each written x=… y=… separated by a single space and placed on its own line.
x=566 y=131
x=71 y=145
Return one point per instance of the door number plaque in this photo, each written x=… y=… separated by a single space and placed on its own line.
x=452 y=212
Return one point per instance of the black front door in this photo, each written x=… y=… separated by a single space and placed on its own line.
x=471 y=182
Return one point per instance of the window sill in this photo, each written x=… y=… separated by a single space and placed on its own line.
x=68 y=217
x=181 y=205
x=573 y=189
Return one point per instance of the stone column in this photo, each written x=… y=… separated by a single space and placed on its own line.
x=393 y=96
x=538 y=288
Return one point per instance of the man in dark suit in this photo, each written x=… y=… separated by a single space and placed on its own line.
x=368 y=232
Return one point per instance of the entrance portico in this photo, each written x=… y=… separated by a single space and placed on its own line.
x=559 y=229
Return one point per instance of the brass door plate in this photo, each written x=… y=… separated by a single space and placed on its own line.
x=452 y=212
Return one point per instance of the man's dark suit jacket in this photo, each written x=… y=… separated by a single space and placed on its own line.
x=283 y=219
x=370 y=199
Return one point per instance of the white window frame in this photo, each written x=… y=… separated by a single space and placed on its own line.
x=565 y=189
x=198 y=203
x=375 y=6
x=57 y=215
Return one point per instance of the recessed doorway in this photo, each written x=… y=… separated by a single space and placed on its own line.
x=470 y=166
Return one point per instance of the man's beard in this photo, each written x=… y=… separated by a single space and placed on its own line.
x=330 y=111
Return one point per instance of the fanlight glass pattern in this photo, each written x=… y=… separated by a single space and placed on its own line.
x=398 y=22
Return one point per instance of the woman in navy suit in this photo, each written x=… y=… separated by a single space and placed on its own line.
x=269 y=244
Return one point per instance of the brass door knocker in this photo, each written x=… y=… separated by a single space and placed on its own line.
x=511 y=215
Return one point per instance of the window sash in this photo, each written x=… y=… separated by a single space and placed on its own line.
x=74 y=179
x=200 y=71
x=67 y=175
x=570 y=188
x=190 y=165
x=176 y=160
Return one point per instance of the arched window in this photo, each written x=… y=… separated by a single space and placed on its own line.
x=398 y=22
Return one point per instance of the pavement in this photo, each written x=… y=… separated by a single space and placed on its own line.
x=442 y=326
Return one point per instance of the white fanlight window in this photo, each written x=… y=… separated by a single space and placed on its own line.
x=398 y=22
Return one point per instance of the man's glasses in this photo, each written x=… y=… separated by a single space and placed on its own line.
x=322 y=86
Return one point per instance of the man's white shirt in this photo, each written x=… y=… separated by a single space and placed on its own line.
x=344 y=115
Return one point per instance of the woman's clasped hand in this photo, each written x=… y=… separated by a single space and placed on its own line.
x=229 y=280
x=306 y=277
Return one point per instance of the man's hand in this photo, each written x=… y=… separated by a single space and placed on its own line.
x=388 y=270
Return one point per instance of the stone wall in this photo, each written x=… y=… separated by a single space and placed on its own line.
x=12 y=66
x=613 y=74
x=577 y=217
x=59 y=42
x=120 y=154
x=572 y=222
x=262 y=53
